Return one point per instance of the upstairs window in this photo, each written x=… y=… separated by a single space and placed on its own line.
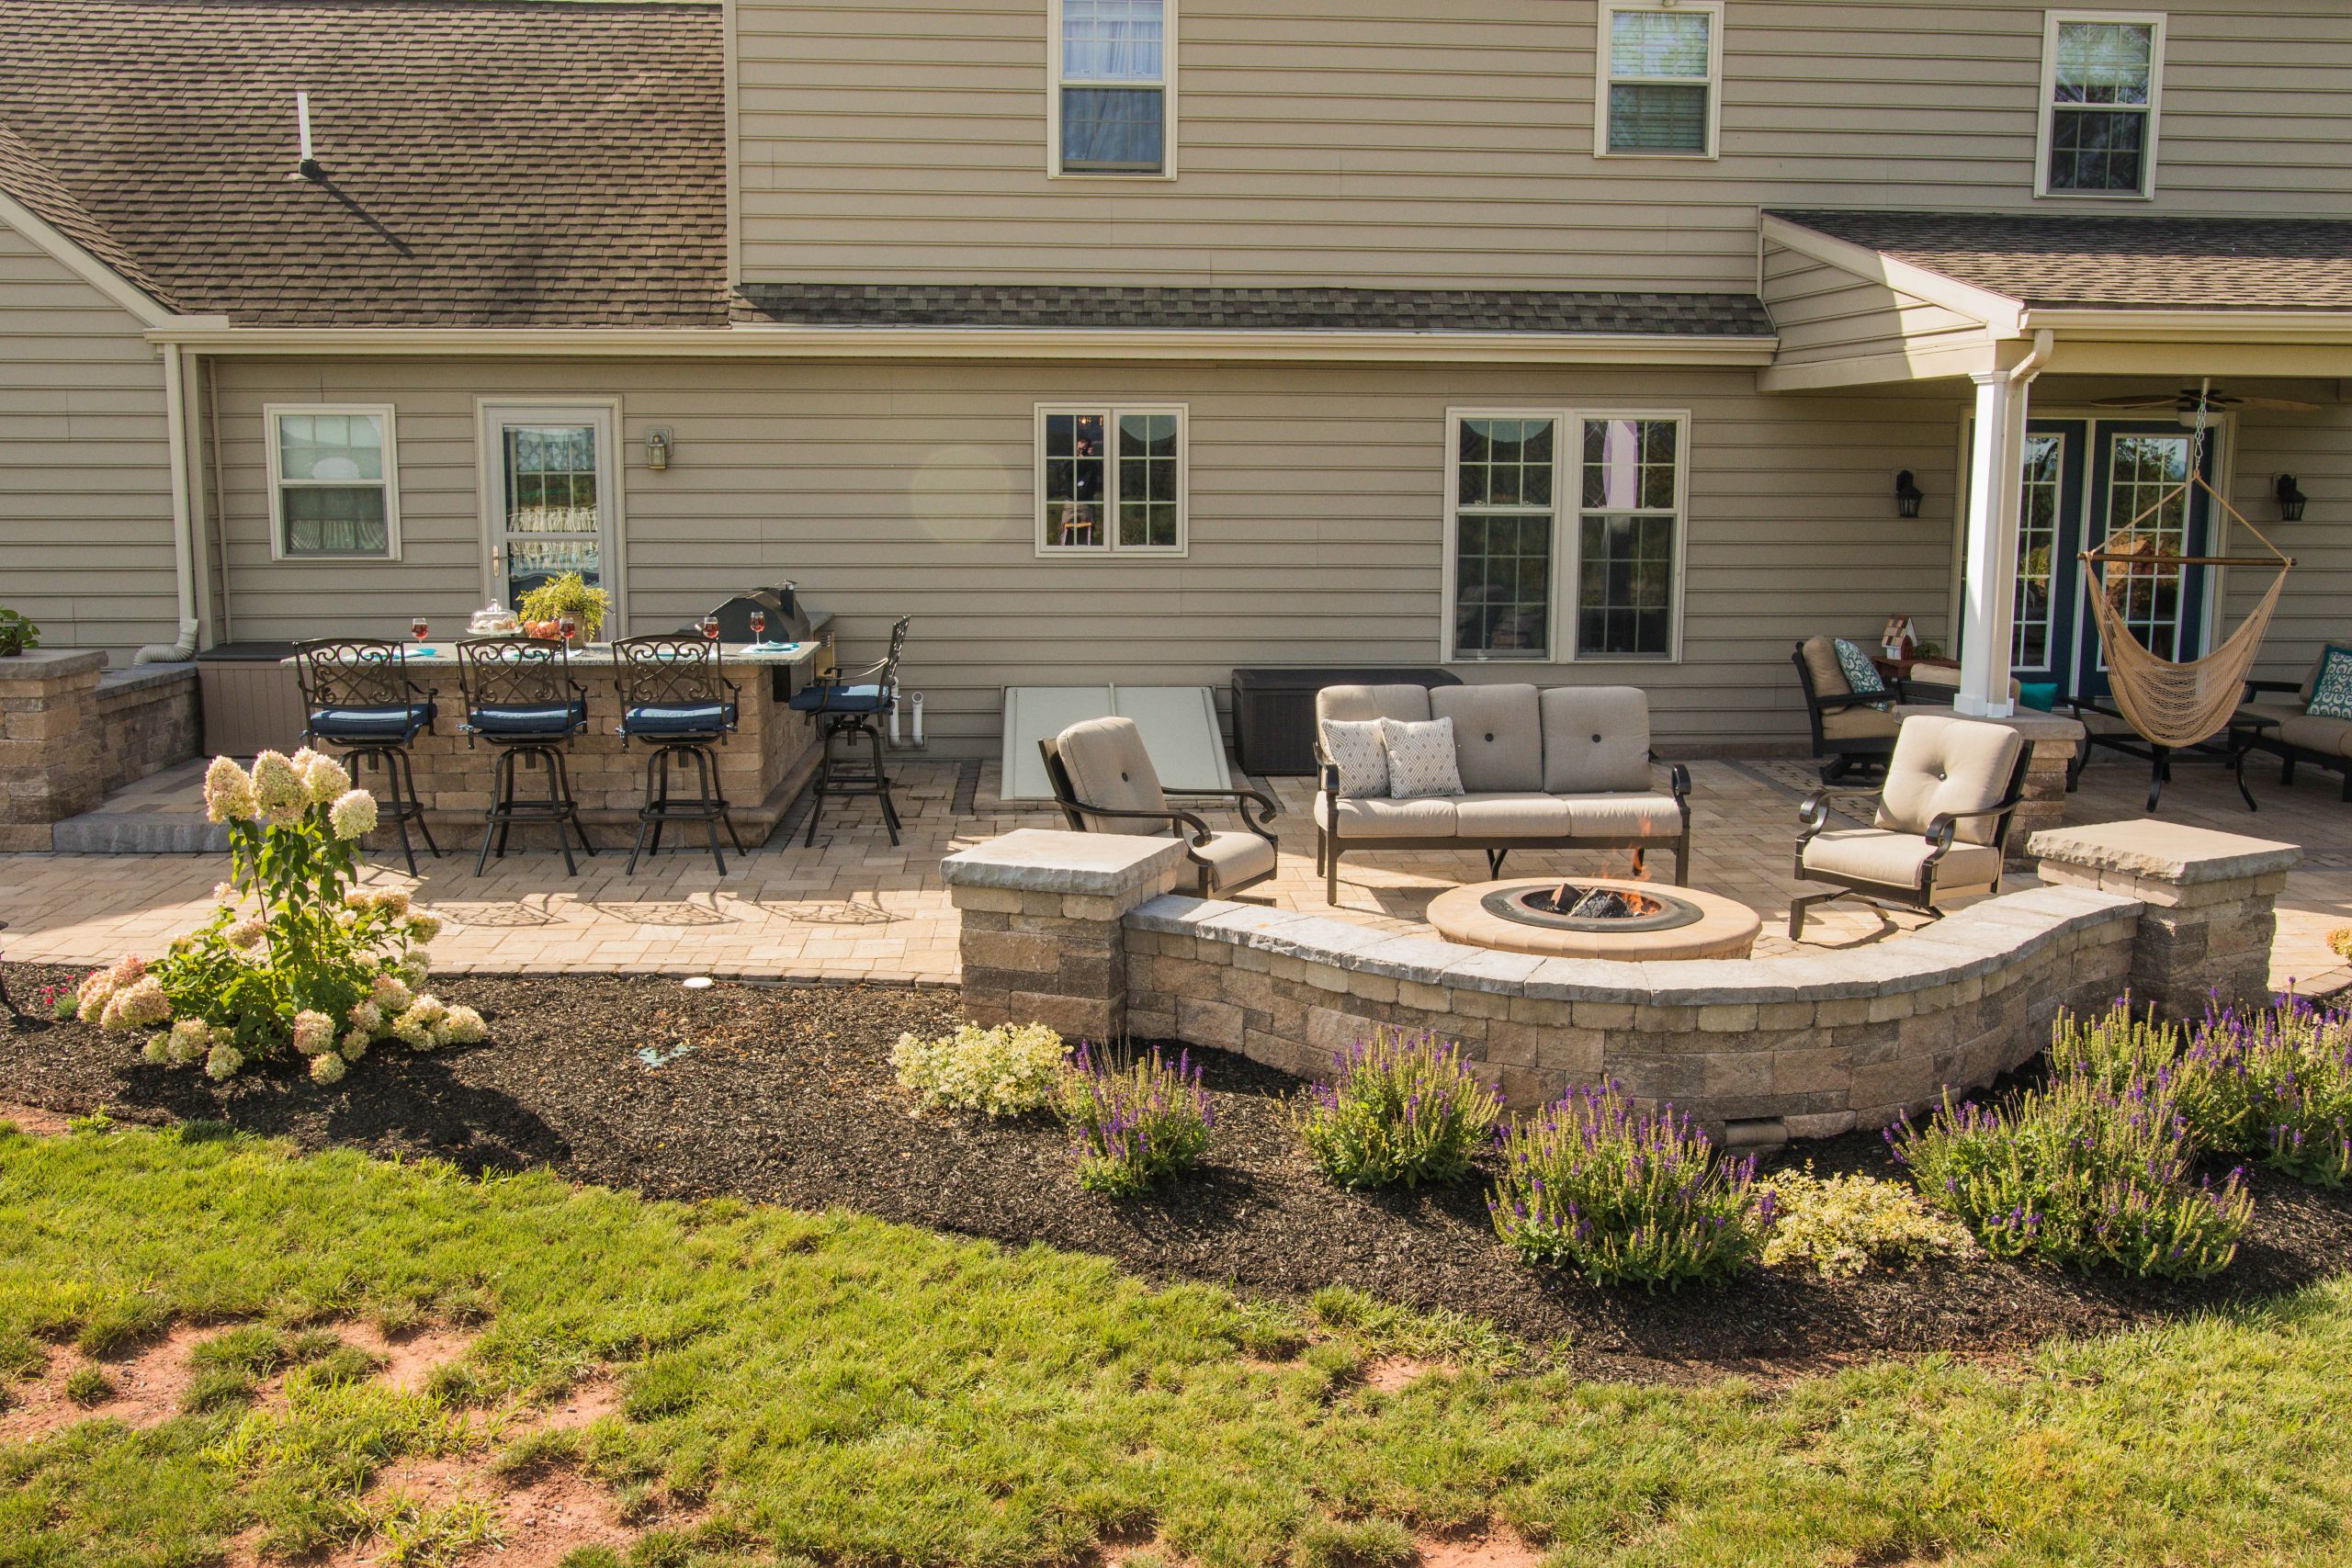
x=1112 y=86
x=1110 y=480
x=1661 y=63
x=2102 y=74
x=333 y=484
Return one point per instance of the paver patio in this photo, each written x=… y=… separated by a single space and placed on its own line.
x=853 y=907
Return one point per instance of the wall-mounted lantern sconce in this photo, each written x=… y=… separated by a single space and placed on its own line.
x=2291 y=500
x=1907 y=494
x=657 y=449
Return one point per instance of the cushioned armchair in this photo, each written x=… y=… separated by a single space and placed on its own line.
x=1942 y=825
x=1848 y=726
x=1103 y=781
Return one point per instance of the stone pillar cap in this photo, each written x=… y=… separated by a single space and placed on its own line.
x=49 y=664
x=1043 y=860
x=2168 y=851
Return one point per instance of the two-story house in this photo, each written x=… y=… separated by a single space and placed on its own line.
x=1130 y=341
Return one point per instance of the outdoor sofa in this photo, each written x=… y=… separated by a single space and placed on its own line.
x=2298 y=736
x=1567 y=767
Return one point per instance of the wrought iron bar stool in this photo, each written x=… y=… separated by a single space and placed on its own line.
x=521 y=698
x=358 y=697
x=848 y=705
x=674 y=701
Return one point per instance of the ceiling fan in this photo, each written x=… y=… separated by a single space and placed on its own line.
x=2205 y=399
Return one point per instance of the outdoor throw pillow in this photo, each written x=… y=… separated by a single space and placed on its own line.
x=1355 y=746
x=2332 y=693
x=1420 y=758
x=1862 y=676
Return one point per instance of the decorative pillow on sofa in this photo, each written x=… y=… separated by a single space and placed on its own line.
x=2332 y=691
x=1354 y=746
x=1420 y=758
x=1862 y=676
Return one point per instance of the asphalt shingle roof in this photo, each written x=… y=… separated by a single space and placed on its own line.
x=486 y=163
x=2261 y=263
x=1245 y=310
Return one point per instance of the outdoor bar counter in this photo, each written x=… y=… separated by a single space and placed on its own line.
x=763 y=767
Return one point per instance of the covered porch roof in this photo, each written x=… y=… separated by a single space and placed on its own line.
x=1865 y=298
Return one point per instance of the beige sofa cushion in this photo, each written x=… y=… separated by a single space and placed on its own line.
x=1497 y=736
x=1820 y=656
x=1431 y=817
x=1898 y=860
x=1109 y=767
x=1518 y=815
x=2328 y=737
x=1858 y=723
x=1410 y=704
x=1946 y=765
x=1235 y=858
x=1649 y=815
x=1596 y=739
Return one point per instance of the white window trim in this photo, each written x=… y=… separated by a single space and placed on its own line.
x=1109 y=548
x=1054 y=84
x=1567 y=510
x=490 y=483
x=2153 y=20
x=270 y=414
x=1608 y=8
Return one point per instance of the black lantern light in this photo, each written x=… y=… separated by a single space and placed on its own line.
x=2291 y=500
x=1907 y=494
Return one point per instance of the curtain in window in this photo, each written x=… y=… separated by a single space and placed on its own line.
x=1652 y=116
x=1658 y=44
x=1112 y=40
x=1106 y=44
x=1110 y=127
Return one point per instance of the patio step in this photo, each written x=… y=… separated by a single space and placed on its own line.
x=138 y=833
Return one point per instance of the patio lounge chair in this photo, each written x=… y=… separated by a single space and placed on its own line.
x=1942 y=825
x=2297 y=735
x=1103 y=781
x=1848 y=726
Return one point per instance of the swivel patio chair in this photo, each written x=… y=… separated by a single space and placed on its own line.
x=1941 y=828
x=520 y=697
x=1103 y=781
x=357 y=697
x=848 y=705
x=1852 y=725
x=675 y=703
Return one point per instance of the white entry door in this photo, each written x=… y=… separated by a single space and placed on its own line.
x=551 y=494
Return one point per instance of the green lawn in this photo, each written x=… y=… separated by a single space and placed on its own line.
x=841 y=1389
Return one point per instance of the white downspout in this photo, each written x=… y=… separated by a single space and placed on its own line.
x=183 y=538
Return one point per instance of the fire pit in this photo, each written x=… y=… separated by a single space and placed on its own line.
x=1589 y=917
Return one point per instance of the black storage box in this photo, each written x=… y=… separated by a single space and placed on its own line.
x=1274 y=712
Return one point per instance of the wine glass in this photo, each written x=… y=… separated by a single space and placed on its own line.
x=569 y=625
x=759 y=625
x=710 y=627
x=416 y=623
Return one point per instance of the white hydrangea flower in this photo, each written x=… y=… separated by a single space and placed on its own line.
x=355 y=1044
x=412 y=970
x=352 y=813
x=246 y=934
x=313 y=1033
x=366 y=1016
x=284 y=795
x=393 y=901
x=418 y=1027
x=327 y=779
x=423 y=927
x=224 y=892
x=223 y=1063
x=462 y=1026
x=157 y=1051
x=191 y=1038
x=141 y=1004
x=326 y=1067
x=229 y=793
x=391 y=994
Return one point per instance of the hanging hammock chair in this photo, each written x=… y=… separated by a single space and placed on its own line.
x=2178 y=703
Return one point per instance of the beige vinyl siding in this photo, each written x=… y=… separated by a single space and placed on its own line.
x=1316 y=519
x=1396 y=142
x=2317 y=449
x=1823 y=313
x=86 y=504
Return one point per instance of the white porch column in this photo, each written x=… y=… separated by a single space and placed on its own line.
x=1988 y=581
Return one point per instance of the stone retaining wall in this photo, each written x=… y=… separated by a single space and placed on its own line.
x=147 y=718
x=1079 y=931
x=50 y=747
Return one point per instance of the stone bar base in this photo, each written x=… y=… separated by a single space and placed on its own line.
x=2210 y=904
x=51 y=746
x=1043 y=933
x=148 y=717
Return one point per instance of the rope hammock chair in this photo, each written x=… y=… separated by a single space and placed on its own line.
x=2176 y=703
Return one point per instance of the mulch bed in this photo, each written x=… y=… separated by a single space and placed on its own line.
x=785 y=1095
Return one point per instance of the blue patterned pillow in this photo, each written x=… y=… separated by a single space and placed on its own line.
x=2332 y=693
x=1862 y=676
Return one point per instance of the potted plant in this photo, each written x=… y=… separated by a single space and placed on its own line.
x=544 y=607
x=18 y=633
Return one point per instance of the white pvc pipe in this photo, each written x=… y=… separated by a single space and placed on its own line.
x=916 y=699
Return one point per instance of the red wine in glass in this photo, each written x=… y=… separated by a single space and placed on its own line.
x=759 y=626
x=710 y=627
x=416 y=623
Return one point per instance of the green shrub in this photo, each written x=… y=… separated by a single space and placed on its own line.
x=1624 y=1194
x=1401 y=1107
x=2272 y=1084
x=1132 y=1125
x=1845 y=1224
x=318 y=965
x=1003 y=1071
x=2082 y=1175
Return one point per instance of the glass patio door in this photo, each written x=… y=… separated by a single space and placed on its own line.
x=2050 y=532
x=2138 y=506
x=551 y=472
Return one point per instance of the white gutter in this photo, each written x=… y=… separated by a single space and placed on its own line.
x=183 y=539
x=972 y=342
x=2146 y=325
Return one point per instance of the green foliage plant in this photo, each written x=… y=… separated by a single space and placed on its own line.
x=567 y=594
x=1132 y=1125
x=1399 y=1107
x=297 y=957
x=1003 y=1071
x=18 y=633
x=1846 y=1225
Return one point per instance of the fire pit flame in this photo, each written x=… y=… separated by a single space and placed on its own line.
x=1597 y=903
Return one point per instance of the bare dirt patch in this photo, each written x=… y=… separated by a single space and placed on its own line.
x=147 y=1387
x=409 y=1358
x=586 y=1402
x=1484 y=1548
x=1391 y=1373
x=33 y=1122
